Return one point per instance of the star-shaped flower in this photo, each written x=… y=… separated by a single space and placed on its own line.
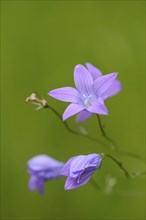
x=114 y=88
x=89 y=95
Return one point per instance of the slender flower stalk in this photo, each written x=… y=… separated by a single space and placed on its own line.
x=42 y=103
x=114 y=144
x=95 y=185
x=70 y=129
x=120 y=165
x=137 y=174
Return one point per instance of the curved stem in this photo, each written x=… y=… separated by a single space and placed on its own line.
x=70 y=129
x=114 y=144
x=130 y=154
x=120 y=165
x=95 y=185
x=136 y=174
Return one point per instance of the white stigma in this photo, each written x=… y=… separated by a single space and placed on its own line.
x=88 y=100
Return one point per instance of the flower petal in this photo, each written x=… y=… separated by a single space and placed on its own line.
x=42 y=163
x=82 y=162
x=41 y=186
x=71 y=110
x=114 y=88
x=83 y=115
x=65 y=94
x=71 y=183
x=86 y=176
x=95 y=72
x=102 y=83
x=65 y=169
x=98 y=107
x=36 y=182
x=83 y=80
x=80 y=169
x=32 y=183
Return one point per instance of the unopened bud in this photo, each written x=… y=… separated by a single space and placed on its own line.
x=33 y=99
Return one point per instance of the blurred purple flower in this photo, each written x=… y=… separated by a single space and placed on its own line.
x=79 y=169
x=42 y=168
x=89 y=96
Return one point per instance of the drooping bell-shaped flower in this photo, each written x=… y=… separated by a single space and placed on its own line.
x=42 y=168
x=79 y=169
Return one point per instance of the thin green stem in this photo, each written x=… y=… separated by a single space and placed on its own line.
x=130 y=154
x=115 y=146
x=95 y=185
x=137 y=174
x=70 y=129
x=120 y=165
x=113 y=143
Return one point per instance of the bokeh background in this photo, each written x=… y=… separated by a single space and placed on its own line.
x=42 y=41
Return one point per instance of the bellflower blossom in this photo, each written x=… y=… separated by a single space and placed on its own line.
x=114 y=88
x=79 y=169
x=88 y=97
x=42 y=168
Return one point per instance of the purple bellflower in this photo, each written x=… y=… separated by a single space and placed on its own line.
x=42 y=168
x=89 y=95
x=113 y=89
x=79 y=169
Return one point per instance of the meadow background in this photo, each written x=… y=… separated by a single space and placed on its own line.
x=41 y=42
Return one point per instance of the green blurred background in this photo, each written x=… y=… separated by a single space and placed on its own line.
x=42 y=41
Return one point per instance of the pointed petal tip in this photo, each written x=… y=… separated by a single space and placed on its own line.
x=106 y=112
x=88 y=64
x=50 y=92
x=63 y=117
x=78 y=66
x=66 y=188
x=114 y=75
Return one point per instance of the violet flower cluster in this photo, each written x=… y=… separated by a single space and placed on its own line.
x=92 y=89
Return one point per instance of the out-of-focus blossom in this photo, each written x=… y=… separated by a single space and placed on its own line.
x=42 y=168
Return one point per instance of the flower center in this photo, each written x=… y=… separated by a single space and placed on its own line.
x=88 y=100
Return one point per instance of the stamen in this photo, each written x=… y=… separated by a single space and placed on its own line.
x=88 y=100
